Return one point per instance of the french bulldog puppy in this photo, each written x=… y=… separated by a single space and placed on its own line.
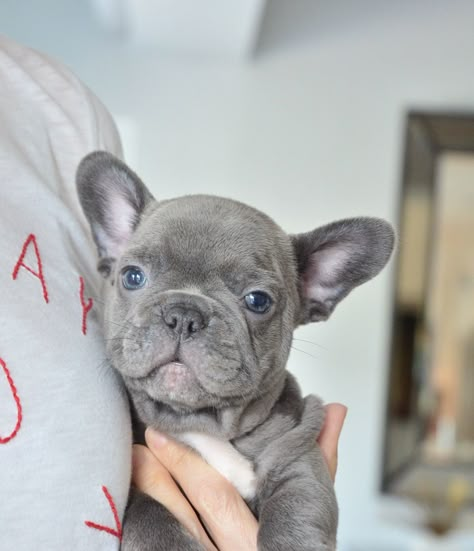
x=201 y=297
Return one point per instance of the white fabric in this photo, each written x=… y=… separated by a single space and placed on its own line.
x=74 y=437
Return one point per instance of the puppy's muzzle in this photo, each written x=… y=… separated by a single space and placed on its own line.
x=183 y=320
x=184 y=314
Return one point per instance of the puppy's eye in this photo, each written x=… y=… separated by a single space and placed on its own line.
x=258 y=301
x=133 y=278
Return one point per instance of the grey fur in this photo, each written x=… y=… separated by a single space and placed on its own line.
x=202 y=255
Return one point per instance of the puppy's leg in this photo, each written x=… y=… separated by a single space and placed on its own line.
x=298 y=508
x=149 y=526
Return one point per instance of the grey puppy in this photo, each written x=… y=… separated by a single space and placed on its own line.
x=202 y=295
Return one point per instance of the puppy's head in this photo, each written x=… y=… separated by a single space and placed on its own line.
x=202 y=293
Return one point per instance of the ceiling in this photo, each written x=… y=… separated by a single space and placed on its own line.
x=225 y=27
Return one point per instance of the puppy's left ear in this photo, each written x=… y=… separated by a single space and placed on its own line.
x=113 y=199
x=334 y=259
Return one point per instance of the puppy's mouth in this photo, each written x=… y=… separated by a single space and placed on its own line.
x=165 y=367
x=171 y=382
x=175 y=374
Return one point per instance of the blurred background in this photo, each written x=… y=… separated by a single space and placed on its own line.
x=314 y=110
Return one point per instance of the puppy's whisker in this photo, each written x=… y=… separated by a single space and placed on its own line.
x=96 y=299
x=116 y=324
x=126 y=327
x=304 y=352
x=310 y=342
x=127 y=339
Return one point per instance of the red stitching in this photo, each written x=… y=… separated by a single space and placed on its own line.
x=117 y=532
x=20 y=263
x=19 y=411
x=86 y=307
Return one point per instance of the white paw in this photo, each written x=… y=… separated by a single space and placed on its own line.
x=241 y=474
x=222 y=455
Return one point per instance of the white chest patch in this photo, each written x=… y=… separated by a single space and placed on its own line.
x=230 y=463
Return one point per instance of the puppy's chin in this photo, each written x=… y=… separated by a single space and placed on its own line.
x=173 y=383
x=176 y=385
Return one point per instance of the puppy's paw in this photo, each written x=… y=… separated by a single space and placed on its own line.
x=241 y=474
x=230 y=463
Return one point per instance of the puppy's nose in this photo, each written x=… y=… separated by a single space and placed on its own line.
x=183 y=320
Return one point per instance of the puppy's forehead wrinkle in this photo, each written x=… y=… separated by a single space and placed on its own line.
x=212 y=222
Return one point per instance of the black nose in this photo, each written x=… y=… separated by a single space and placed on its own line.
x=183 y=320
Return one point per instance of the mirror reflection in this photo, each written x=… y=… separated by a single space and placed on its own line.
x=429 y=453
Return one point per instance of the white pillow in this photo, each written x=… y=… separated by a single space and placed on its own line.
x=65 y=438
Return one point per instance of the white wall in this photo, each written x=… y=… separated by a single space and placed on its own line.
x=309 y=133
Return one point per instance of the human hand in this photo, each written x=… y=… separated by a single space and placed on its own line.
x=160 y=467
x=329 y=436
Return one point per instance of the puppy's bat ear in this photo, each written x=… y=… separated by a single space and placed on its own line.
x=113 y=199
x=334 y=259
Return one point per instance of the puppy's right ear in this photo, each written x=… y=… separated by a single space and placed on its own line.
x=113 y=198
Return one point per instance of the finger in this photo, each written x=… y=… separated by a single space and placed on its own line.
x=329 y=436
x=150 y=477
x=225 y=514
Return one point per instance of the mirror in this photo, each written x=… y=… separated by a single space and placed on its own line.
x=429 y=439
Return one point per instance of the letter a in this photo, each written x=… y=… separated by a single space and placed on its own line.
x=21 y=264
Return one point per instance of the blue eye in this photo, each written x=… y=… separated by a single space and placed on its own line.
x=258 y=302
x=133 y=278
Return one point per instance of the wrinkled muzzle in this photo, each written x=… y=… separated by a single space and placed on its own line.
x=186 y=349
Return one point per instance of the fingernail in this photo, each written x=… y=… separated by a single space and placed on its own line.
x=155 y=438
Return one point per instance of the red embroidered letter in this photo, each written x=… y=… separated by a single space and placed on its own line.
x=117 y=532
x=86 y=306
x=19 y=416
x=20 y=264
